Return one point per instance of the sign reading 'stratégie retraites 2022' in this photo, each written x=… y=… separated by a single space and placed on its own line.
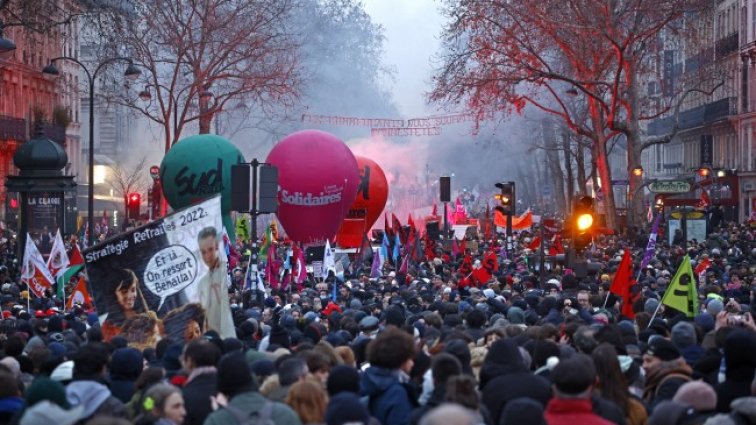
x=165 y=279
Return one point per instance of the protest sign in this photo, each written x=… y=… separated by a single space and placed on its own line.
x=165 y=279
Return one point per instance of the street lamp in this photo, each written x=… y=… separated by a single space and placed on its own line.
x=132 y=73
x=637 y=171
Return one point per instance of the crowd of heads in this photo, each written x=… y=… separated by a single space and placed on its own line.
x=423 y=346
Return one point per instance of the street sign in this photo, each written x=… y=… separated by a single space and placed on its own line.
x=669 y=186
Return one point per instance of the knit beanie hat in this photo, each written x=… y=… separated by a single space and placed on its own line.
x=699 y=395
x=705 y=321
x=683 y=335
x=714 y=307
x=651 y=305
x=234 y=375
x=343 y=378
x=44 y=388
x=279 y=337
x=346 y=408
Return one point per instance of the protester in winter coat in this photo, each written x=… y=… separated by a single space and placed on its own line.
x=125 y=366
x=88 y=387
x=391 y=358
x=199 y=359
x=236 y=384
x=573 y=380
x=665 y=371
x=740 y=363
x=504 y=377
x=613 y=387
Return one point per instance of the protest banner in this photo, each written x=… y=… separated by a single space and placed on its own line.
x=165 y=279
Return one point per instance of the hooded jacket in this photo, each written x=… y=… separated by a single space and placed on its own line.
x=740 y=363
x=96 y=399
x=389 y=401
x=504 y=377
x=126 y=365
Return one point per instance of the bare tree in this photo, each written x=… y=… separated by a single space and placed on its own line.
x=125 y=180
x=203 y=57
x=503 y=55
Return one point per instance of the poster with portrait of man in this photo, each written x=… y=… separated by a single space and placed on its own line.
x=168 y=278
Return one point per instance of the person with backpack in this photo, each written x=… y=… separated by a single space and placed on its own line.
x=666 y=371
x=244 y=405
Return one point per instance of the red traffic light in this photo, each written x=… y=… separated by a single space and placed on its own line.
x=14 y=203
x=703 y=172
x=134 y=197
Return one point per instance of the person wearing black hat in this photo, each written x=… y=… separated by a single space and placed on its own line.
x=236 y=383
x=573 y=380
x=665 y=369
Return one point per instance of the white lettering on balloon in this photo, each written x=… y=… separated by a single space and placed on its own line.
x=310 y=200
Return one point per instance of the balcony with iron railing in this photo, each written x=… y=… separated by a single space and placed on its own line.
x=727 y=45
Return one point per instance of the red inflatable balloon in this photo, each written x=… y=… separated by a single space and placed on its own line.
x=318 y=180
x=367 y=207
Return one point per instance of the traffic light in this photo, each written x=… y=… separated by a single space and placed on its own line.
x=135 y=201
x=582 y=223
x=506 y=198
x=703 y=172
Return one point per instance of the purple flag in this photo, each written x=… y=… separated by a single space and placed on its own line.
x=375 y=269
x=651 y=247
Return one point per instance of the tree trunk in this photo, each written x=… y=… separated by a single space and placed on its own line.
x=635 y=207
x=568 y=166
x=580 y=165
x=602 y=164
x=555 y=167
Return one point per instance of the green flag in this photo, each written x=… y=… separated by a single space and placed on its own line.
x=242 y=226
x=65 y=277
x=265 y=245
x=681 y=294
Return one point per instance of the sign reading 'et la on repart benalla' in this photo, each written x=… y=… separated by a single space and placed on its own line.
x=165 y=279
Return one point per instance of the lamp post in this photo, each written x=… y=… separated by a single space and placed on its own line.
x=131 y=73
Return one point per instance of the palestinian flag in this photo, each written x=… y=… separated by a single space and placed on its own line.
x=76 y=264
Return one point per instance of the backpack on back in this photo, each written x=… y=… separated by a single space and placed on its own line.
x=262 y=417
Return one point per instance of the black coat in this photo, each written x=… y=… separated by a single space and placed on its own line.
x=197 y=395
x=503 y=377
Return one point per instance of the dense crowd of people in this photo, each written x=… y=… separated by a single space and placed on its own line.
x=414 y=346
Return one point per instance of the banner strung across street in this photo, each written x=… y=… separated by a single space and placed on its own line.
x=165 y=279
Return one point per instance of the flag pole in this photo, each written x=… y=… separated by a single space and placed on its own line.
x=654 y=315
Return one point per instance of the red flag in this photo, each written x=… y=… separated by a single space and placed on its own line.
x=465 y=269
x=411 y=224
x=455 y=247
x=397 y=226
x=387 y=227
x=430 y=248
x=704 y=201
x=702 y=266
x=535 y=243
x=80 y=295
x=487 y=233
x=556 y=245
x=623 y=281
x=488 y=267
x=405 y=263
x=434 y=213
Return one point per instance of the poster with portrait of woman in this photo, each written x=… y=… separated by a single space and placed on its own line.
x=168 y=278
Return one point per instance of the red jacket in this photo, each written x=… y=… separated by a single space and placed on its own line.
x=562 y=411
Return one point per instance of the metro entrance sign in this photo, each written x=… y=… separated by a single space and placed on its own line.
x=669 y=186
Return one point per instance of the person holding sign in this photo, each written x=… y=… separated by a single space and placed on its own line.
x=213 y=291
x=125 y=301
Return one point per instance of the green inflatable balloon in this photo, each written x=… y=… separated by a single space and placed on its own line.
x=198 y=167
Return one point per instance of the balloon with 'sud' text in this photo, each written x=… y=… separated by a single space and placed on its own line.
x=318 y=180
x=372 y=195
x=198 y=167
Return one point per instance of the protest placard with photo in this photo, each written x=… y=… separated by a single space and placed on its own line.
x=165 y=279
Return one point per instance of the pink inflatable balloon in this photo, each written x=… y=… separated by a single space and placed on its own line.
x=318 y=179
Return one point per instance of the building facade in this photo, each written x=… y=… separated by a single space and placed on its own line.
x=715 y=128
x=28 y=99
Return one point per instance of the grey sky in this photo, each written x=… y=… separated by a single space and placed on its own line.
x=412 y=29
